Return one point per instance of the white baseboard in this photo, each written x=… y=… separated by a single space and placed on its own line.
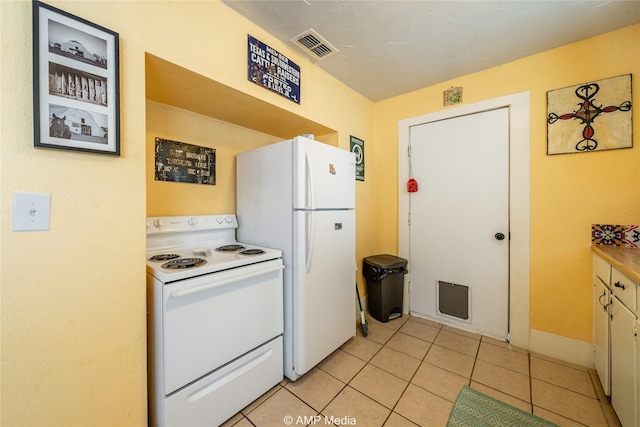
x=551 y=345
x=562 y=348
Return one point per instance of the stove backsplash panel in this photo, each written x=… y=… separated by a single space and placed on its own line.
x=615 y=235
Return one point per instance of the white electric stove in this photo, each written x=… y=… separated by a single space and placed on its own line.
x=180 y=247
x=215 y=320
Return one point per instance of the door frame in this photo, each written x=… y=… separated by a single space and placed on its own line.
x=519 y=205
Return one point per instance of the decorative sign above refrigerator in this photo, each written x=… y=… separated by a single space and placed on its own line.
x=272 y=70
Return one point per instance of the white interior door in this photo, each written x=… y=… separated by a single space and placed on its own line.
x=458 y=218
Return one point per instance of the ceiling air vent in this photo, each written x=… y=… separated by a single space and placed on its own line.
x=314 y=45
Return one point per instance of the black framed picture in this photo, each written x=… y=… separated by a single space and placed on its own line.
x=76 y=85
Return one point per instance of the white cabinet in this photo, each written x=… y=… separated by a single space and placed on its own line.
x=602 y=299
x=623 y=360
x=616 y=326
x=638 y=366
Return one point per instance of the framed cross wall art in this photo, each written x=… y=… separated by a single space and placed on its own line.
x=592 y=116
x=75 y=83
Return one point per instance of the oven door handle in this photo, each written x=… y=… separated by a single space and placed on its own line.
x=183 y=292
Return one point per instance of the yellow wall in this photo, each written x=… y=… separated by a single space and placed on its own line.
x=73 y=333
x=72 y=308
x=73 y=298
x=568 y=192
x=178 y=198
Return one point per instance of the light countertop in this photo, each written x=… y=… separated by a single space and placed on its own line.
x=625 y=260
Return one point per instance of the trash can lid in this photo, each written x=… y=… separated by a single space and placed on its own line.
x=385 y=261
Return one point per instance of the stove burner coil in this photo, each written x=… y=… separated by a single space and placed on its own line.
x=229 y=248
x=252 y=252
x=164 y=257
x=183 y=263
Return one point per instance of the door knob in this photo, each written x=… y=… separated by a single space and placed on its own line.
x=499 y=236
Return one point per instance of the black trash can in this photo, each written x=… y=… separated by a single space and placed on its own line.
x=385 y=283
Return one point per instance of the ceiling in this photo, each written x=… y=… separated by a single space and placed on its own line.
x=387 y=48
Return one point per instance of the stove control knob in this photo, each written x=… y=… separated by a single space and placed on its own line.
x=192 y=222
x=220 y=220
x=228 y=219
x=157 y=223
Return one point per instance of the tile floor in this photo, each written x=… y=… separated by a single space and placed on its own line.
x=408 y=372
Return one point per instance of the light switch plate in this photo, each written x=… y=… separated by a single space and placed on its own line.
x=31 y=211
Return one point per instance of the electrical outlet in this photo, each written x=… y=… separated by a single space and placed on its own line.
x=31 y=211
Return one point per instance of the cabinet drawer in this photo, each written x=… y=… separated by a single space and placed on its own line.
x=601 y=269
x=624 y=289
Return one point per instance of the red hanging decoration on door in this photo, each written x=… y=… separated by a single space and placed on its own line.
x=412 y=185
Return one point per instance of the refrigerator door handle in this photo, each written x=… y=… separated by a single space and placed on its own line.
x=308 y=240
x=308 y=180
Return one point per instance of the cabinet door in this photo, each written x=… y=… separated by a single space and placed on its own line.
x=637 y=338
x=601 y=300
x=623 y=343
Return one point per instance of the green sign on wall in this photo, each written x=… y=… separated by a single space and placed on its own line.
x=357 y=147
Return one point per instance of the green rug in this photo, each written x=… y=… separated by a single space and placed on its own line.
x=474 y=409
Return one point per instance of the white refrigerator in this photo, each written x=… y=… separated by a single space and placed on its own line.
x=299 y=196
